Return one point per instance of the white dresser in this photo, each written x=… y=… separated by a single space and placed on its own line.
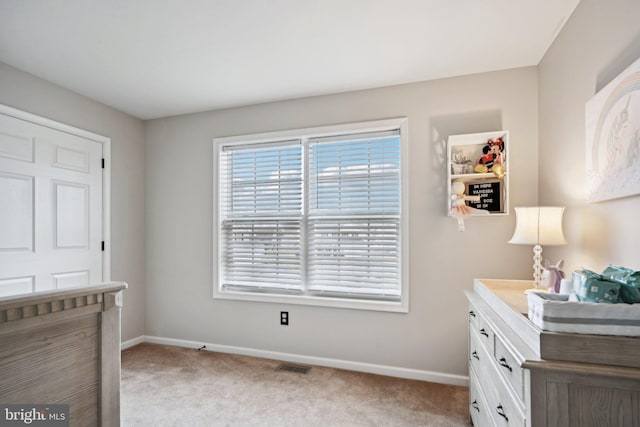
x=523 y=376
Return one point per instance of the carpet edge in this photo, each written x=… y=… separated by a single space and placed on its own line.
x=392 y=371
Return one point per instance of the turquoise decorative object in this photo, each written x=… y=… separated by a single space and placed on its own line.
x=629 y=282
x=592 y=287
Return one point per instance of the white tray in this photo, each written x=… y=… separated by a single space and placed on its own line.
x=552 y=312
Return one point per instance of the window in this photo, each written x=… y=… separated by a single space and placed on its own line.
x=313 y=216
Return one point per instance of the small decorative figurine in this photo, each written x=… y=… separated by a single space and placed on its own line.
x=459 y=208
x=552 y=276
x=460 y=164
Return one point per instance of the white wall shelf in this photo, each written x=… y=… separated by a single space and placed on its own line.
x=493 y=189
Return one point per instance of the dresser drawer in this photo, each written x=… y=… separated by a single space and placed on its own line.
x=478 y=324
x=473 y=317
x=503 y=405
x=478 y=357
x=478 y=408
x=509 y=367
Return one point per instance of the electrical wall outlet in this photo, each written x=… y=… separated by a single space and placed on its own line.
x=284 y=317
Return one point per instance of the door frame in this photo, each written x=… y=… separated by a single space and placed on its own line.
x=106 y=172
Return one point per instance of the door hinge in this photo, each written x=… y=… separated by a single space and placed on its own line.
x=102 y=163
x=103 y=246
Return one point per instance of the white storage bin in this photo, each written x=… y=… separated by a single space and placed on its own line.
x=555 y=313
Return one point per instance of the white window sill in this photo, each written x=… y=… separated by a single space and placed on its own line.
x=356 y=304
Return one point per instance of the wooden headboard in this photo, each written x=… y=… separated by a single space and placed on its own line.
x=63 y=347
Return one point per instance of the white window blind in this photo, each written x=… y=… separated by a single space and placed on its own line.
x=261 y=206
x=316 y=216
x=354 y=214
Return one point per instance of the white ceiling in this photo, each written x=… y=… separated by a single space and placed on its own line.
x=157 y=58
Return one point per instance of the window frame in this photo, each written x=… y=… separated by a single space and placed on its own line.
x=304 y=134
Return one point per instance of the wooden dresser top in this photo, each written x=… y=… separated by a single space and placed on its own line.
x=511 y=292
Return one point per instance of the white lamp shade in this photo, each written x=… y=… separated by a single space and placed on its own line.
x=538 y=226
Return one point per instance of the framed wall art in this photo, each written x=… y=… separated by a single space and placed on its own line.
x=612 y=119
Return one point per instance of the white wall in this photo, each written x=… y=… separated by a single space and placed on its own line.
x=34 y=95
x=169 y=162
x=174 y=172
x=599 y=41
x=443 y=261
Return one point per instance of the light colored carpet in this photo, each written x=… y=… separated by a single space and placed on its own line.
x=172 y=386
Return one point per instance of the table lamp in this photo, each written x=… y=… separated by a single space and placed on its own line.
x=538 y=226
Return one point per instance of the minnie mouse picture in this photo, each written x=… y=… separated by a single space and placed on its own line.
x=492 y=153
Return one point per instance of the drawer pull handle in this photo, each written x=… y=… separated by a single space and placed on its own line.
x=475 y=354
x=472 y=314
x=484 y=332
x=503 y=363
x=500 y=411
x=475 y=405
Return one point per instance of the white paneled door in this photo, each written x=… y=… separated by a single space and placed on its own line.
x=51 y=217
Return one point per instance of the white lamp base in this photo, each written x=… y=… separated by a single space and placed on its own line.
x=537 y=270
x=537 y=265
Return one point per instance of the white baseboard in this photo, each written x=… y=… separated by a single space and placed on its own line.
x=130 y=343
x=392 y=371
